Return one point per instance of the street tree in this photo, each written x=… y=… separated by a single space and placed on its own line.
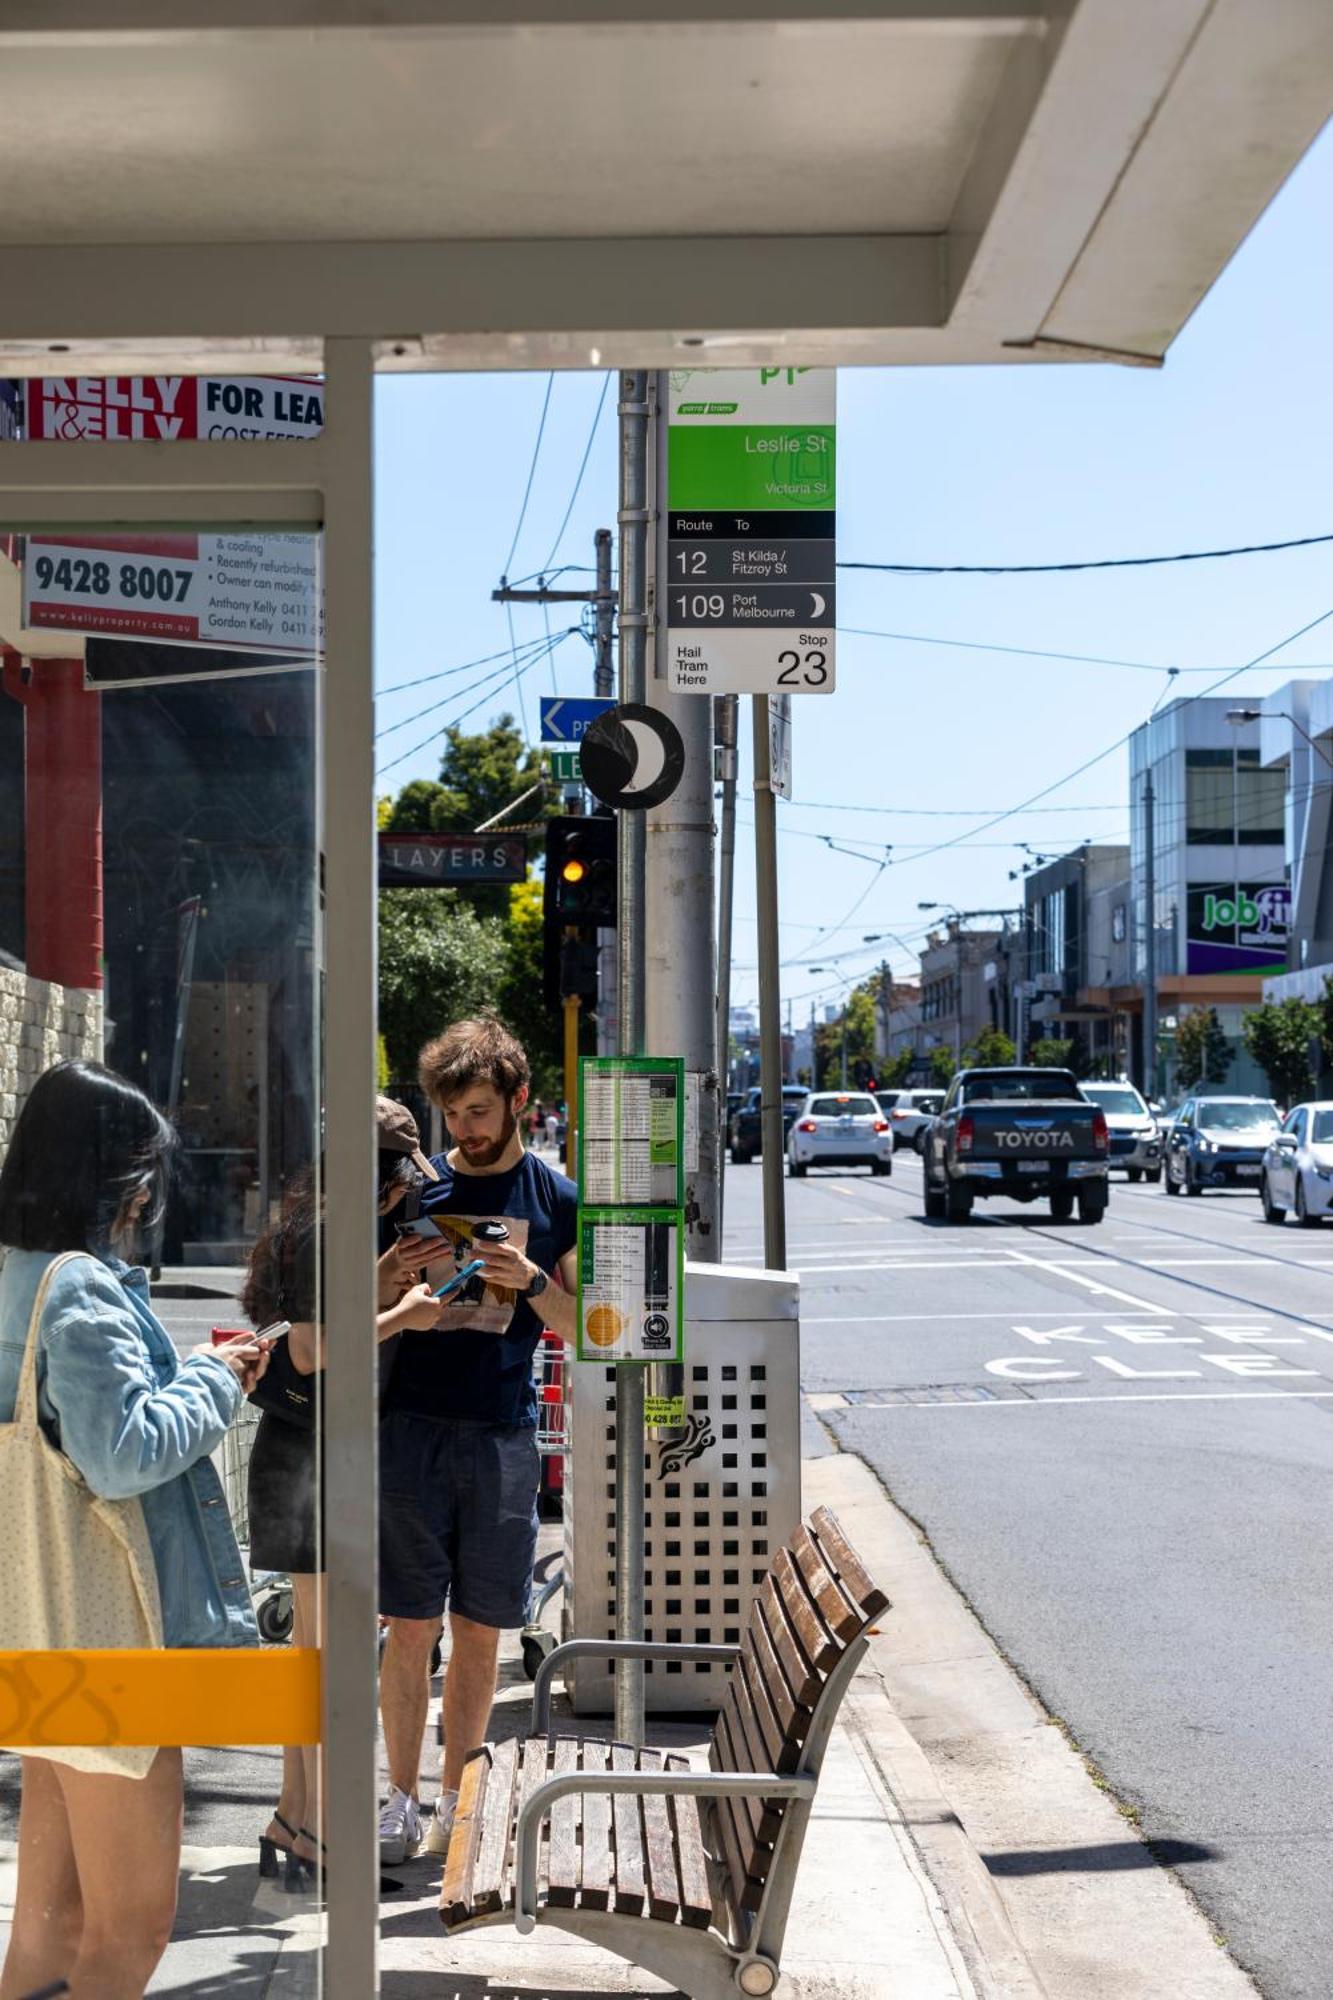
x=1280 y=1036
x=991 y=1050
x=1203 y=1053
x=859 y=1021
x=1051 y=1053
x=438 y=961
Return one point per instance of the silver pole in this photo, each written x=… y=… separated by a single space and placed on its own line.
x=603 y=681
x=680 y=976
x=726 y=720
x=1149 y=940
x=349 y=1392
x=633 y=517
x=770 y=991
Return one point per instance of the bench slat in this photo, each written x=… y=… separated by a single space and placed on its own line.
x=842 y=1617
x=663 y=1888
x=563 y=1865
x=842 y=1558
x=596 y=1856
x=532 y=1770
x=759 y=1819
x=696 y=1897
x=734 y=1841
x=629 y=1885
x=465 y=1840
x=805 y=1682
x=489 y=1874
x=793 y=1717
x=782 y=1749
x=818 y=1643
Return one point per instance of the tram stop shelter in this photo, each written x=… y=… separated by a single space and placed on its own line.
x=346 y=187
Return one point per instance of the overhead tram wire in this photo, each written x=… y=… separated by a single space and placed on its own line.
x=1102 y=562
x=583 y=467
x=532 y=473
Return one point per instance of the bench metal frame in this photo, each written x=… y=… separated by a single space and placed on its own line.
x=700 y=1962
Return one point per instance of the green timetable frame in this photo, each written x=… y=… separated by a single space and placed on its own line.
x=631 y=1293
x=631 y=1131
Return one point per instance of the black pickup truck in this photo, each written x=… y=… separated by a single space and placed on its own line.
x=743 y=1135
x=1025 y=1133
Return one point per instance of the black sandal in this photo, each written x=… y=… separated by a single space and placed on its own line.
x=269 y=1850
x=301 y=1873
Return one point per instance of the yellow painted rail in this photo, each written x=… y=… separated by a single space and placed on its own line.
x=224 y=1695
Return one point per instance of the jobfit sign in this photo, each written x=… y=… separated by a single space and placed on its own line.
x=1238 y=927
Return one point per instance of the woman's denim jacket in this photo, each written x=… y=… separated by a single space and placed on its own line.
x=136 y=1420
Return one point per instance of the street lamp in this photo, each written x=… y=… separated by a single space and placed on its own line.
x=1238 y=716
x=846 y=981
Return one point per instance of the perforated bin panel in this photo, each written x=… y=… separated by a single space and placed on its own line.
x=718 y=1503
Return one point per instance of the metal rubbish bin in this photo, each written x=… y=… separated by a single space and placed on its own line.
x=719 y=1502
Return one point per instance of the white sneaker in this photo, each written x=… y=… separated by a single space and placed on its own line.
x=440 y=1825
x=400 y=1827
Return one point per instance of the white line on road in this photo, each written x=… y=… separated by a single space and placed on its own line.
x=1090 y=1284
x=1113 y=1399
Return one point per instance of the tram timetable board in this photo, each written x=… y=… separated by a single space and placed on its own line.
x=751 y=554
x=631 y=1264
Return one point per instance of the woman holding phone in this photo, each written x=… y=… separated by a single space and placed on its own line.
x=282 y=1285
x=100 y=1828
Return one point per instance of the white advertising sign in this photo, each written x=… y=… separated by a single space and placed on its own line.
x=235 y=591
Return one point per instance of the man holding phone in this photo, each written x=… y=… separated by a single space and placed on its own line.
x=458 y=1452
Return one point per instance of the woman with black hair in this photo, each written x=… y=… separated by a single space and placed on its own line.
x=283 y=1283
x=100 y=1828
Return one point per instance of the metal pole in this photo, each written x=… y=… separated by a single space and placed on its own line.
x=603 y=679
x=842 y=1064
x=633 y=518
x=770 y=991
x=1149 y=941
x=725 y=730
x=571 y=1024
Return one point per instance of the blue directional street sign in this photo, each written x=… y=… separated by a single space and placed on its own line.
x=565 y=717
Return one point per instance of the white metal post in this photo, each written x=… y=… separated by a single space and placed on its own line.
x=347 y=827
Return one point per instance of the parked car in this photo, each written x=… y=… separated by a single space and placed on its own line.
x=1217 y=1142
x=1297 y=1171
x=1136 y=1143
x=1019 y=1132
x=839 y=1128
x=743 y=1134
x=909 y=1112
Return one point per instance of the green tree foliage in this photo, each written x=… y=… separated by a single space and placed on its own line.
x=520 y=1004
x=860 y=1014
x=439 y=961
x=991 y=1050
x=1278 y=1035
x=1050 y=1053
x=1203 y=1053
x=480 y=774
x=945 y=1065
x=897 y=1071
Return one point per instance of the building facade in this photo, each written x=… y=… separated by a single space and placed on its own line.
x=1075 y=956
x=955 y=996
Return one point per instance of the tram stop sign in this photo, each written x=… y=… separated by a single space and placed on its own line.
x=632 y=757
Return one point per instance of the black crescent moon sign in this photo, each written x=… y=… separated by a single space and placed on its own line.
x=612 y=757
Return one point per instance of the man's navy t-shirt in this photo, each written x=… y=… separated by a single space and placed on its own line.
x=478 y=1362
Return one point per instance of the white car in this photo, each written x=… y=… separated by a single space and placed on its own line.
x=1297 y=1172
x=1136 y=1144
x=839 y=1128
x=909 y=1112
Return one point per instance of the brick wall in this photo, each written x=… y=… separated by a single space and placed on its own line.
x=40 y=1023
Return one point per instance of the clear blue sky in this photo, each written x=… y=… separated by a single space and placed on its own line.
x=1231 y=442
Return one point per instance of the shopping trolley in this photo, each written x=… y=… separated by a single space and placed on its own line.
x=271 y=1591
x=549 y=1368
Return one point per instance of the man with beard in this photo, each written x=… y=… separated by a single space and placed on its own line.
x=458 y=1452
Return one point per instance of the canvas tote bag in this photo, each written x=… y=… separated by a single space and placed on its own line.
x=78 y=1573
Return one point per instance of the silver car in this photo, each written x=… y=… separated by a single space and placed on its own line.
x=1136 y=1142
x=1297 y=1172
x=839 y=1128
x=909 y=1112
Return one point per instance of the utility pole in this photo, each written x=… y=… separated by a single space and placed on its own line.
x=1149 y=940
x=725 y=716
x=634 y=413
x=770 y=989
x=603 y=673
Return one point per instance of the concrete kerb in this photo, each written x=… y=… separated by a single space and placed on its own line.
x=981 y=1774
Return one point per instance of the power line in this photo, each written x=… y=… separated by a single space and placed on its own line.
x=1102 y=562
x=583 y=467
x=487 y=682
x=445 y=673
x=1022 y=652
x=532 y=469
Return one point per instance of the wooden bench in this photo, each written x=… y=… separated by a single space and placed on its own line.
x=687 y=1873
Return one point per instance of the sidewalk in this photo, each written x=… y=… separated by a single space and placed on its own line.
x=959 y=1850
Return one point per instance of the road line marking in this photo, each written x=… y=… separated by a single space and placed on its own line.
x=1090 y=1284
x=1114 y=1399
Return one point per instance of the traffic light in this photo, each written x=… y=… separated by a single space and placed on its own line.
x=581 y=870
x=578 y=901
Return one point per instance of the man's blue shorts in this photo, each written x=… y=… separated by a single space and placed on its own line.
x=458 y=1519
